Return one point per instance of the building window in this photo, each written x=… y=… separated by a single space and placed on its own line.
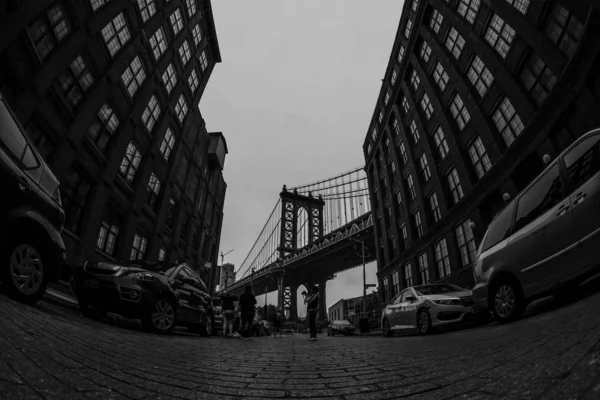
x=408 y=278
x=151 y=113
x=169 y=78
x=434 y=206
x=176 y=22
x=425 y=52
x=563 y=29
x=455 y=187
x=153 y=189
x=408 y=29
x=394 y=77
x=96 y=4
x=414 y=80
x=191 y=7
x=133 y=76
x=158 y=43
x=403 y=153
x=480 y=76
x=423 y=268
x=130 y=162
x=197 y=34
x=139 y=247
x=386 y=100
x=193 y=81
x=404 y=230
x=425 y=167
x=459 y=112
x=399 y=200
x=103 y=127
x=374 y=133
x=162 y=254
x=166 y=146
x=107 y=237
x=507 y=121
x=181 y=108
x=49 y=30
x=411 y=187
x=393 y=169
x=499 y=35
x=418 y=224
x=455 y=43
x=75 y=81
x=436 y=21
x=441 y=258
x=415 y=5
x=468 y=9
x=440 y=76
x=147 y=9
x=521 y=5
x=401 y=52
x=395 y=283
x=479 y=157
x=116 y=34
x=74 y=194
x=426 y=106
x=537 y=78
x=184 y=53
x=440 y=142
x=171 y=213
x=466 y=243
x=380 y=116
x=414 y=131
x=405 y=104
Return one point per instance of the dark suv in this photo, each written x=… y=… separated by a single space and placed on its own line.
x=32 y=251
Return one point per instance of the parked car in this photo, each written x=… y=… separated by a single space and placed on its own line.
x=32 y=251
x=161 y=295
x=340 y=327
x=425 y=307
x=547 y=239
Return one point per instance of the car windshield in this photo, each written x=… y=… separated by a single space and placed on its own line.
x=436 y=289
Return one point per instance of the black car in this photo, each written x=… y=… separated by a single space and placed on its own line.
x=161 y=295
x=32 y=252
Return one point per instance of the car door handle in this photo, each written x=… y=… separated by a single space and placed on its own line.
x=579 y=198
x=562 y=210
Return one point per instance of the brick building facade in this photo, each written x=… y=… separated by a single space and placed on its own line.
x=476 y=92
x=108 y=91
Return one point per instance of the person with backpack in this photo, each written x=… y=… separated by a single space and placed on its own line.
x=247 y=311
x=278 y=323
x=312 y=307
x=228 y=313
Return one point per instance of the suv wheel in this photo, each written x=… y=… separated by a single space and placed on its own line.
x=507 y=301
x=424 y=322
x=163 y=316
x=25 y=279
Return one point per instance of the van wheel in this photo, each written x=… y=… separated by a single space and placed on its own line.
x=25 y=277
x=507 y=300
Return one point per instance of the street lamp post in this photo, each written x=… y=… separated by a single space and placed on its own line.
x=362 y=242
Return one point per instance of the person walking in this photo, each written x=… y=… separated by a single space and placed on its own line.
x=247 y=311
x=277 y=324
x=228 y=313
x=312 y=307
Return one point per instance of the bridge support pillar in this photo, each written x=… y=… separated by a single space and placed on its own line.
x=280 y=292
x=293 y=303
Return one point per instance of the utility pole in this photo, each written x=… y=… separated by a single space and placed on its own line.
x=364 y=281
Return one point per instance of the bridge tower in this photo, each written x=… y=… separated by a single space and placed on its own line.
x=291 y=204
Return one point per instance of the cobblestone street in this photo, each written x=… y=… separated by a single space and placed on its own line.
x=50 y=351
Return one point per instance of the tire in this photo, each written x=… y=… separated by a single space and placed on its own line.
x=423 y=322
x=25 y=277
x=207 y=328
x=163 y=316
x=506 y=300
x=387 y=332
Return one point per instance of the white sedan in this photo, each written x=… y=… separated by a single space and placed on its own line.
x=426 y=306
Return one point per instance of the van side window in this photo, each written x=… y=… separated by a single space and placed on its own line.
x=13 y=140
x=500 y=227
x=544 y=194
x=583 y=160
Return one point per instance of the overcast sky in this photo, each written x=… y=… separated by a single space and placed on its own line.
x=294 y=96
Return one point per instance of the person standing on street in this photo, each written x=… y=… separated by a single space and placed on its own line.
x=228 y=313
x=312 y=310
x=247 y=309
x=277 y=324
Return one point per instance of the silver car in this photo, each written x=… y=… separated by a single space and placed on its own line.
x=546 y=240
x=426 y=306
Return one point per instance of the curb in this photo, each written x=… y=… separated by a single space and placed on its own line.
x=56 y=297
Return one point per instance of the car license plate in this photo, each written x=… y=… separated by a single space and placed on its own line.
x=89 y=283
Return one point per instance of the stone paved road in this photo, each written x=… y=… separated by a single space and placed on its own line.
x=51 y=352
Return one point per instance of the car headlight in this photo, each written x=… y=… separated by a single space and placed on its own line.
x=143 y=276
x=446 y=302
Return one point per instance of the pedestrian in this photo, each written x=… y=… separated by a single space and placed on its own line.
x=278 y=323
x=312 y=307
x=228 y=313
x=247 y=308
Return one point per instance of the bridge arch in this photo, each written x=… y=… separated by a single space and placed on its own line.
x=303 y=227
